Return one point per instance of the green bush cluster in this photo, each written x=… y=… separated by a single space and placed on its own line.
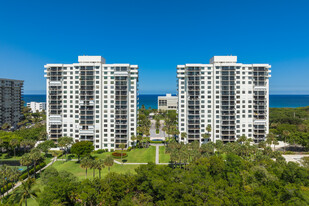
x=100 y=151
x=38 y=167
x=6 y=188
x=156 y=142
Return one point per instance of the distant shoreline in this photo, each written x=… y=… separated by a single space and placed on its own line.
x=150 y=100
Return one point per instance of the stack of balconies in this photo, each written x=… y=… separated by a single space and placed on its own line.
x=54 y=74
x=193 y=103
x=260 y=75
x=121 y=113
x=228 y=115
x=86 y=100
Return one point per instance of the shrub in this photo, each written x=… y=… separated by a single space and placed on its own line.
x=23 y=176
x=100 y=151
x=129 y=149
x=6 y=188
x=156 y=142
x=117 y=155
x=106 y=150
x=112 y=150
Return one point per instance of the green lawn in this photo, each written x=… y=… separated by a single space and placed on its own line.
x=5 y=156
x=142 y=155
x=163 y=157
x=74 y=167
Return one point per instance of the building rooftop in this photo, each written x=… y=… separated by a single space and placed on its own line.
x=91 y=59
x=1 y=79
x=168 y=96
x=223 y=59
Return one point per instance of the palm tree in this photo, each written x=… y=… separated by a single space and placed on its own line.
x=100 y=165
x=25 y=192
x=122 y=146
x=242 y=139
x=109 y=161
x=6 y=174
x=85 y=163
x=15 y=174
x=208 y=129
x=35 y=156
x=24 y=144
x=133 y=138
x=285 y=133
x=183 y=135
x=14 y=143
x=65 y=142
x=26 y=161
x=139 y=139
x=271 y=139
x=93 y=166
x=205 y=136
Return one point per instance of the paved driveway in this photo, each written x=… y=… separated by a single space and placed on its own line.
x=153 y=134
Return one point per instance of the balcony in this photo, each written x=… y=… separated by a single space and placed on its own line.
x=86 y=131
x=55 y=83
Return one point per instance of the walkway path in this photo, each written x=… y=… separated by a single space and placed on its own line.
x=153 y=134
x=294 y=158
x=20 y=182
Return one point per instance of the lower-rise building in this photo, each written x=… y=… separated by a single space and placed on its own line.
x=37 y=106
x=167 y=102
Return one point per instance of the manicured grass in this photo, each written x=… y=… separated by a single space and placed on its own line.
x=142 y=155
x=163 y=157
x=137 y=155
x=5 y=156
x=74 y=167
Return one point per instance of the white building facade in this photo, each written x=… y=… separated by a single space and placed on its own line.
x=167 y=102
x=36 y=106
x=92 y=101
x=231 y=97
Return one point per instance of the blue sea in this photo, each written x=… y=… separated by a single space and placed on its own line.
x=150 y=100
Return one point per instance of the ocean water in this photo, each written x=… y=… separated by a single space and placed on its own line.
x=150 y=100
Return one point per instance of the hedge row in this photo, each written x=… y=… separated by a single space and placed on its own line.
x=156 y=142
x=38 y=167
x=7 y=187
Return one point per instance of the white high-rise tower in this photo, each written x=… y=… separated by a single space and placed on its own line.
x=231 y=97
x=92 y=101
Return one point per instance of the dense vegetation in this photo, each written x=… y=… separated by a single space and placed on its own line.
x=228 y=176
x=291 y=125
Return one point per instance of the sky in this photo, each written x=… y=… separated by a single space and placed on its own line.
x=157 y=35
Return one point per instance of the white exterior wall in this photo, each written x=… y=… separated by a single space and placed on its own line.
x=171 y=102
x=102 y=130
x=37 y=106
x=210 y=97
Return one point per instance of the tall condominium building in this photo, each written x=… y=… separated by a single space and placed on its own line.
x=10 y=101
x=36 y=106
x=231 y=97
x=92 y=101
x=167 y=102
